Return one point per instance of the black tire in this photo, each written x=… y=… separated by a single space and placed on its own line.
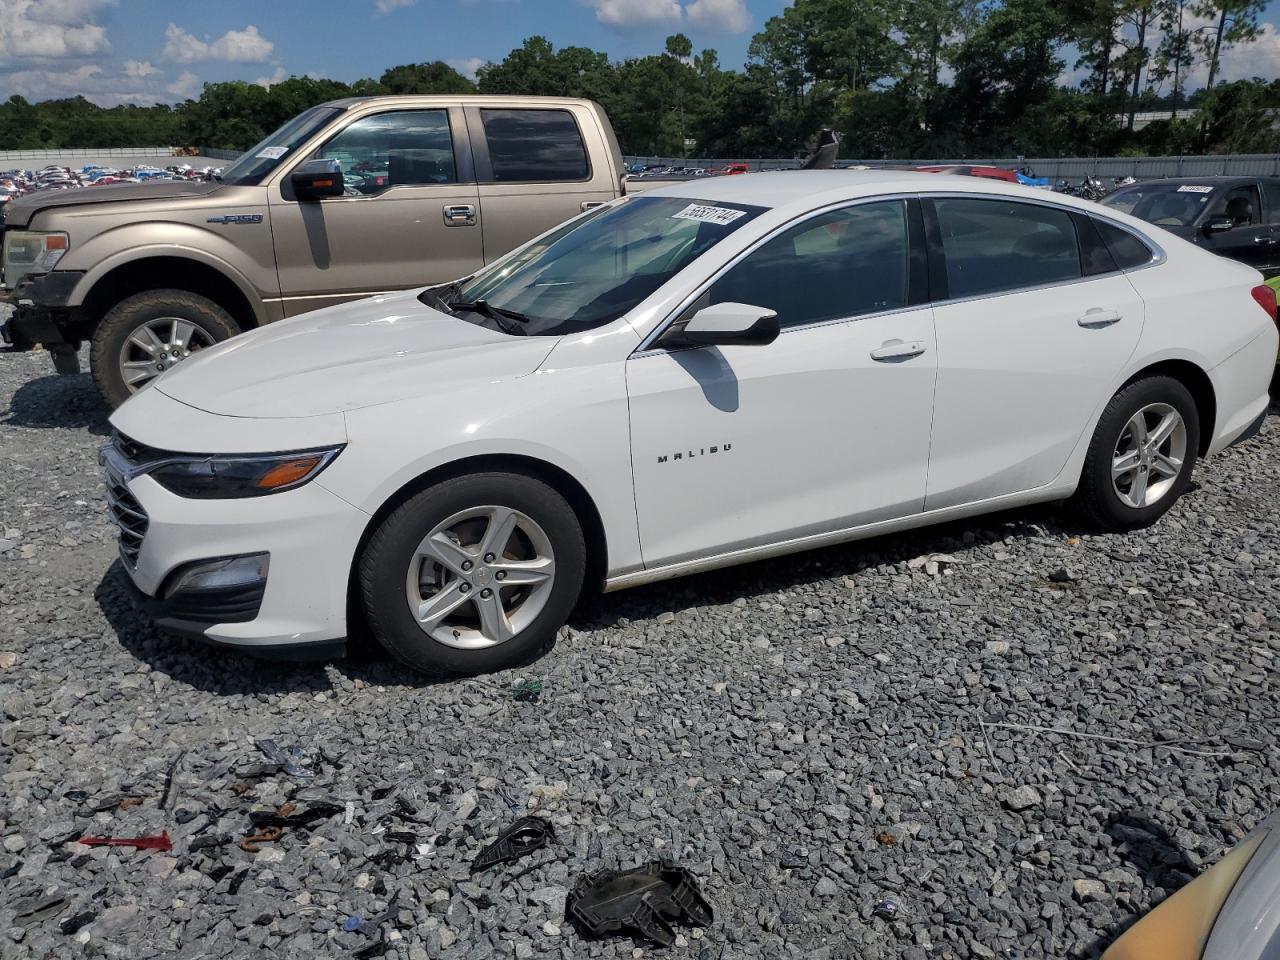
x=1096 y=497
x=385 y=563
x=130 y=315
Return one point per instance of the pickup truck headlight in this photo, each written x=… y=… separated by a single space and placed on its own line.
x=220 y=477
x=31 y=251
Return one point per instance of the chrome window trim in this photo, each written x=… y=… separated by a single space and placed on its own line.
x=1158 y=256
x=647 y=346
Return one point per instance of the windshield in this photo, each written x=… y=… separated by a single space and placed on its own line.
x=594 y=269
x=1164 y=204
x=258 y=161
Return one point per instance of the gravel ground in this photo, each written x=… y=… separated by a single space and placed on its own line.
x=809 y=736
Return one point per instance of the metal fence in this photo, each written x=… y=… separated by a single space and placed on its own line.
x=102 y=153
x=1056 y=168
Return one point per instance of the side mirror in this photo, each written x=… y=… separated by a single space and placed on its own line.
x=316 y=179
x=1217 y=225
x=731 y=324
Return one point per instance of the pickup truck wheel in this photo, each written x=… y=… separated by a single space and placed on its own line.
x=473 y=574
x=146 y=334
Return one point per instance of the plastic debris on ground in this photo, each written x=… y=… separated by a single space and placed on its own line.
x=885 y=909
x=527 y=691
x=519 y=840
x=159 y=842
x=647 y=900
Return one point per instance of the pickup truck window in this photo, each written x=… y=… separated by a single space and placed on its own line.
x=394 y=149
x=603 y=267
x=258 y=161
x=535 y=145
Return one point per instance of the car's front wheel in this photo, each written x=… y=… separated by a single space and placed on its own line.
x=473 y=574
x=1141 y=456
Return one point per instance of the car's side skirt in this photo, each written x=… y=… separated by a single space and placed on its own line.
x=1055 y=491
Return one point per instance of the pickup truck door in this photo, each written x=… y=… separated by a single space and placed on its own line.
x=537 y=167
x=410 y=218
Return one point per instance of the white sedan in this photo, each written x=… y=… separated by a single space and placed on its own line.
x=707 y=374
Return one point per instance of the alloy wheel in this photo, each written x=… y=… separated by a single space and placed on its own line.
x=1149 y=455
x=480 y=577
x=155 y=346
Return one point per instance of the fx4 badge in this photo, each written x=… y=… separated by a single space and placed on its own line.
x=237 y=218
x=700 y=452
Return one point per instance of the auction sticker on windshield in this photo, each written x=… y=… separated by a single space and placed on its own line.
x=709 y=214
x=1192 y=188
x=271 y=153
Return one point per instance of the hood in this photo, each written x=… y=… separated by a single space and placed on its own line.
x=19 y=212
x=372 y=351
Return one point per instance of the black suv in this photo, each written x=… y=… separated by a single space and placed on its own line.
x=1236 y=217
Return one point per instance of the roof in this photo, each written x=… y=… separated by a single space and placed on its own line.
x=807 y=189
x=461 y=99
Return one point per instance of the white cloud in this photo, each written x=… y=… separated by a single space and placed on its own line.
x=1247 y=60
x=238 y=46
x=468 y=66
x=139 y=69
x=51 y=29
x=186 y=86
x=726 y=15
x=731 y=16
x=277 y=75
x=631 y=13
x=103 y=86
x=386 y=6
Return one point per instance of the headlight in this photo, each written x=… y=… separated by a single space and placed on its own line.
x=31 y=251
x=221 y=477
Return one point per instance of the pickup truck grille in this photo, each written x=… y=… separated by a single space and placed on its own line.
x=125 y=511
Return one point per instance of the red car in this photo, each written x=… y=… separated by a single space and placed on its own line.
x=964 y=170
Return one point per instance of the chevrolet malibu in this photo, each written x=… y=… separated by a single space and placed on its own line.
x=703 y=375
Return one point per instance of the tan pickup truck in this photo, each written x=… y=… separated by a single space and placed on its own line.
x=346 y=200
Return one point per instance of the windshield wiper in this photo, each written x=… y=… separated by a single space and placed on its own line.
x=485 y=308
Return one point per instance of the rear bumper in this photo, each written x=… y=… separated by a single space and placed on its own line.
x=1241 y=384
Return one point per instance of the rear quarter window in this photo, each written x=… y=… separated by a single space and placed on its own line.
x=1127 y=249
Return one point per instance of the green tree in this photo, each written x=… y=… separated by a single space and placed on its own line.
x=424 y=78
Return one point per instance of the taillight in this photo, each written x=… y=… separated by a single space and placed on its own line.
x=1266 y=298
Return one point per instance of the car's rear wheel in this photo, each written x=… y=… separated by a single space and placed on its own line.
x=473 y=574
x=144 y=335
x=1141 y=456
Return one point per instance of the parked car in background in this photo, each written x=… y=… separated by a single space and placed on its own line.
x=1229 y=912
x=1236 y=217
x=969 y=170
x=663 y=386
x=153 y=273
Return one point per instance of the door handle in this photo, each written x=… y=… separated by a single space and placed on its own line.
x=1263 y=238
x=1095 y=318
x=459 y=215
x=592 y=204
x=897 y=350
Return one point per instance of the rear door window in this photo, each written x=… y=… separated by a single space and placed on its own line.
x=535 y=145
x=991 y=246
x=1241 y=204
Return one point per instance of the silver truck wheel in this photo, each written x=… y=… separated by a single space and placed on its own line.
x=144 y=335
x=156 y=345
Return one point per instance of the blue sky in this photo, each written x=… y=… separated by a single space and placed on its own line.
x=146 y=51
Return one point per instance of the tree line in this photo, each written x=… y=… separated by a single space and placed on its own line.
x=896 y=78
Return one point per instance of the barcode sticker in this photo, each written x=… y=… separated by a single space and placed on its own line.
x=709 y=214
x=271 y=153
x=1191 y=188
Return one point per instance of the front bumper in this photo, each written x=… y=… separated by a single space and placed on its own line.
x=43 y=316
x=310 y=534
